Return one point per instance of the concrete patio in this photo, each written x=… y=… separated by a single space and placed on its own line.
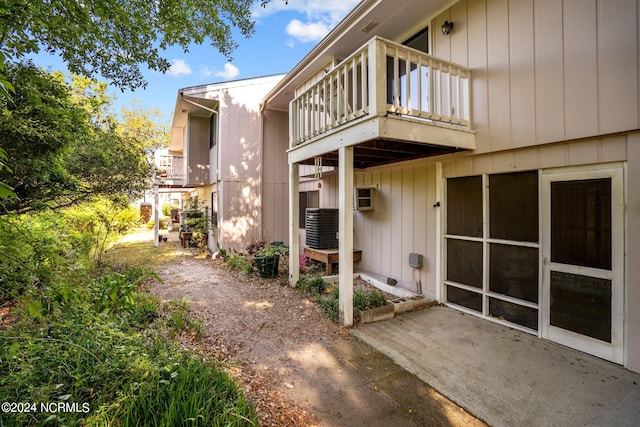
x=506 y=377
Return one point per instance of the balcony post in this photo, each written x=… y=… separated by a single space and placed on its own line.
x=293 y=123
x=294 y=207
x=377 y=86
x=345 y=235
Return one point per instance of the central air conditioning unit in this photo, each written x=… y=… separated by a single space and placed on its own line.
x=321 y=228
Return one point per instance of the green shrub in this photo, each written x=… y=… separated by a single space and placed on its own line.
x=365 y=299
x=329 y=303
x=362 y=300
x=179 y=319
x=166 y=209
x=92 y=345
x=312 y=283
x=239 y=263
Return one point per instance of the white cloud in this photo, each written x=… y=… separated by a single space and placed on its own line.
x=334 y=10
x=230 y=71
x=307 y=32
x=206 y=71
x=179 y=68
x=321 y=15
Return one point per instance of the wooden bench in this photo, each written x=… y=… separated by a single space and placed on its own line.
x=329 y=257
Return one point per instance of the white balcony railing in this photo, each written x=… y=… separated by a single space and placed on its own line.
x=170 y=167
x=382 y=78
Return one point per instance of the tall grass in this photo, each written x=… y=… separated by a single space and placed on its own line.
x=100 y=344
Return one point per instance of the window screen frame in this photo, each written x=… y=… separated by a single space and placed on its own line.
x=486 y=240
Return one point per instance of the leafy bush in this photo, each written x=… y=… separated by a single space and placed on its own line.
x=329 y=303
x=36 y=248
x=179 y=319
x=166 y=209
x=370 y=298
x=312 y=283
x=94 y=345
x=239 y=263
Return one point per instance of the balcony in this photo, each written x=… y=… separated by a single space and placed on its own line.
x=170 y=170
x=390 y=101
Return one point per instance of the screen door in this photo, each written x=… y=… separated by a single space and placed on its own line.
x=583 y=266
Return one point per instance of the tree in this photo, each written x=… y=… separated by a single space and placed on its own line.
x=113 y=38
x=62 y=145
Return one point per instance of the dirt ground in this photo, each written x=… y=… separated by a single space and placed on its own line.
x=299 y=367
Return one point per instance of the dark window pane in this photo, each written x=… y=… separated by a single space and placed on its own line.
x=464 y=298
x=581 y=223
x=524 y=316
x=513 y=206
x=464 y=206
x=581 y=304
x=302 y=209
x=464 y=262
x=308 y=199
x=513 y=271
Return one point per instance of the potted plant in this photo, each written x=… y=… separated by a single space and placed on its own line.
x=267 y=259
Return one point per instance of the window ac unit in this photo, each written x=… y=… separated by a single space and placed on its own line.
x=364 y=198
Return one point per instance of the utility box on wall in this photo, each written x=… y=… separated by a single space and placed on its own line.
x=364 y=198
x=415 y=260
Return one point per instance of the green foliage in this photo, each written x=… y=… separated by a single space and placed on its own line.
x=180 y=320
x=60 y=145
x=312 y=283
x=92 y=36
x=36 y=248
x=369 y=298
x=326 y=295
x=166 y=209
x=96 y=344
x=271 y=250
x=239 y=263
x=33 y=252
x=329 y=304
x=5 y=190
x=99 y=223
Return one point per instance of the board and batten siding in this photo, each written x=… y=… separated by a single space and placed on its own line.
x=275 y=185
x=198 y=151
x=546 y=70
x=403 y=221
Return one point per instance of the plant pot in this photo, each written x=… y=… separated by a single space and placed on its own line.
x=267 y=265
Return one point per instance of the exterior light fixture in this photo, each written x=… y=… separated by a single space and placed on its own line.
x=446 y=28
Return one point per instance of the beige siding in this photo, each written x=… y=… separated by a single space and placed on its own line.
x=275 y=189
x=633 y=253
x=581 y=88
x=588 y=151
x=241 y=206
x=403 y=221
x=198 y=151
x=546 y=70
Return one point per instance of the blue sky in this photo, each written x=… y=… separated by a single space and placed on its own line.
x=284 y=34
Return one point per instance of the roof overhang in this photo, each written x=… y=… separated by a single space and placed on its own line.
x=188 y=105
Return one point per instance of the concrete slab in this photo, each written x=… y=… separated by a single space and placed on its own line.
x=506 y=377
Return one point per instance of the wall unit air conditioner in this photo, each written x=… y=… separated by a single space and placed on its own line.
x=364 y=198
